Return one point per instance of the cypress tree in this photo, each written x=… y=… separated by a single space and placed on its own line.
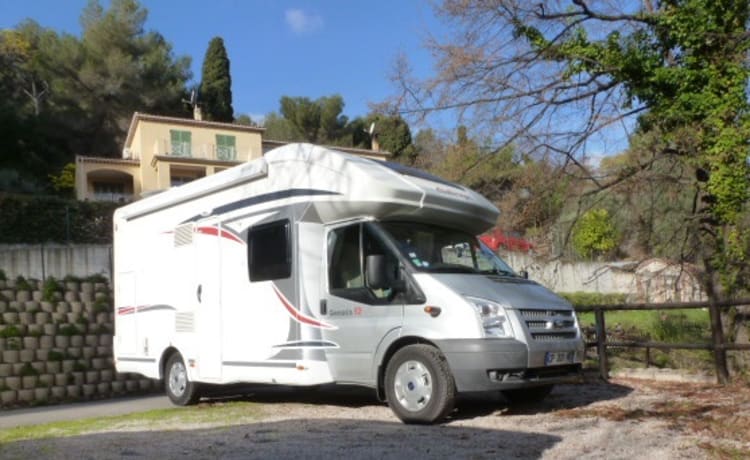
x=216 y=86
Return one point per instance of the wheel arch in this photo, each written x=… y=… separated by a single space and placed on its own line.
x=166 y=354
x=395 y=346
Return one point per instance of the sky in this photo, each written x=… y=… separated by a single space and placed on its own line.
x=277 y=48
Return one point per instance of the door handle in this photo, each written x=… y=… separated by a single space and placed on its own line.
x=323 y=307
x=198 y=292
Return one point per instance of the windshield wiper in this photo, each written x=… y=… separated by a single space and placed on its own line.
x=501 y=272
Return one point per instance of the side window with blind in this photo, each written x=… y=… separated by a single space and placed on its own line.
x=180 y=143
x=269 y=251
x=226 y=147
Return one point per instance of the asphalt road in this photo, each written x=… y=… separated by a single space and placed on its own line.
x=75 y=411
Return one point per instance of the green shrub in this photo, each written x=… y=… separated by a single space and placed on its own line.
x=586 y=299
x=28 y=370
x=78 y=366
x=675 y=327
x=3 y=277
x=97 y=278
x=51 y=286
x=54 y=355
x=102 y=306
x=42 y=219
x=10 y=331
x=14 y=343
x=68 y=330
x=22 y=284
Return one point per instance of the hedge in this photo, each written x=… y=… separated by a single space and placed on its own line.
x=26 y=219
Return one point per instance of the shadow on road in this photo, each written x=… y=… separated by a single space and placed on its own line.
x=467 y=406
x=327 y=438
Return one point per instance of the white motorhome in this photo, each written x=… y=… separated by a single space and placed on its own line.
x=310 y=266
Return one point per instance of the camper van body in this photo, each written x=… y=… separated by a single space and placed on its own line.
x=268 y=273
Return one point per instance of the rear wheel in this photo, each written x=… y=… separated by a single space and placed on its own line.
x=178 y=386
x=527 y=395
x=419 y=385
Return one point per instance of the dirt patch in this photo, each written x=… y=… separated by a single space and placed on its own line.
x=624 y=419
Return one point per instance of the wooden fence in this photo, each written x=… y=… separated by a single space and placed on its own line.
x=717 y=345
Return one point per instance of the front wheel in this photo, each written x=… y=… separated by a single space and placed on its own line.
x=179 y=388
x=419 y=385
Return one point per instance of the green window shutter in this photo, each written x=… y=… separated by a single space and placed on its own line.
x=226 y=147
x=180 y=141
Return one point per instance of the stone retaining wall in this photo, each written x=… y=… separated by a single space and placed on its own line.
x=56 y=345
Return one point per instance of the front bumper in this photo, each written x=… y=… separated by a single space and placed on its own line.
x=498 y=364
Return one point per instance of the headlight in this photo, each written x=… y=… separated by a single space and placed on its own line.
x=493 y=318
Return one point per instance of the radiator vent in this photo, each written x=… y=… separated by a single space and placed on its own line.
x=183 y=235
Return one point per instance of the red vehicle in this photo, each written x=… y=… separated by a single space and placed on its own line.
x=496 y=239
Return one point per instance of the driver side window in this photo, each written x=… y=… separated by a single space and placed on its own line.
x=348 y=248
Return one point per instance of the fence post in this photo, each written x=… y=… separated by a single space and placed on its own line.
x=601 y=340
x=717 y=336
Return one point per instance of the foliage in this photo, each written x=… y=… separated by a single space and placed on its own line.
x=10 y=331
x=68 y=330
x=27 y=370
x=22 y=284
x=557 y=78
x=64 y=95
x=393 y=135
x=50 y=288
x=320 y=121
x=54 y=355
x=216 y=85
x=43 y=219
x=3 y=276
x=595 y=234
x=65 y=182
x=580 y=299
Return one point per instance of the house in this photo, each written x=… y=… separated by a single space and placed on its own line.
x=162 y=152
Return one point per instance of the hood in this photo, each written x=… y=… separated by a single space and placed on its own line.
x=514 y=292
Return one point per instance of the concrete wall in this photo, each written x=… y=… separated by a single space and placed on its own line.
x=57 y=260
x=57 y=347
x=651 y=280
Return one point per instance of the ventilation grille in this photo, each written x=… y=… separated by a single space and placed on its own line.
x=183 y=235
x=550 y=325
x=184 y=322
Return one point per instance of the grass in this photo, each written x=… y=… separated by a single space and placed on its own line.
x=659 y=325
x=669 y=326
x=211 y=414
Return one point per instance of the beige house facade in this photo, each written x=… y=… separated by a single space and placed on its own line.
x=162 y=152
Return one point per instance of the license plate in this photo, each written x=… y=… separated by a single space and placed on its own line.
x=555 y=358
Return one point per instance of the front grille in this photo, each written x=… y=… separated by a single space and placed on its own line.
x=548 y=325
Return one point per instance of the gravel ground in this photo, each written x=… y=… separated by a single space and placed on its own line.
x=626 y=419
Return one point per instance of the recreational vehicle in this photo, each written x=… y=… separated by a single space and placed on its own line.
x=310 y=266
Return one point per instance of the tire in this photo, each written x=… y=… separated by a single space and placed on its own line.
x=179 y=388
x=531 y=395
x=419 y=386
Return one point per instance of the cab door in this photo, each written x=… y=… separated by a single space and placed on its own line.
x=362 y=316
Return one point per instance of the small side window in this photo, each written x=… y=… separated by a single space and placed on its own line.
x=269 y=251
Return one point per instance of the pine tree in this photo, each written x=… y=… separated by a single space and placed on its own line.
x=216 y=86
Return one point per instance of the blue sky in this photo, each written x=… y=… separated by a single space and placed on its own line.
x=277 y=48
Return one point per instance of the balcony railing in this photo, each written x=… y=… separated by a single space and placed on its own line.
x=113 y=197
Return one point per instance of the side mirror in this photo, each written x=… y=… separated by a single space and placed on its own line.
x=377 y=276
x=524 y=274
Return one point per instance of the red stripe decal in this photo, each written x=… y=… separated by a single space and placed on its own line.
x=125 y=310
x=223 y=233
x=299 y=317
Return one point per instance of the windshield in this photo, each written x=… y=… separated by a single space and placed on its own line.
x=437 y=249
